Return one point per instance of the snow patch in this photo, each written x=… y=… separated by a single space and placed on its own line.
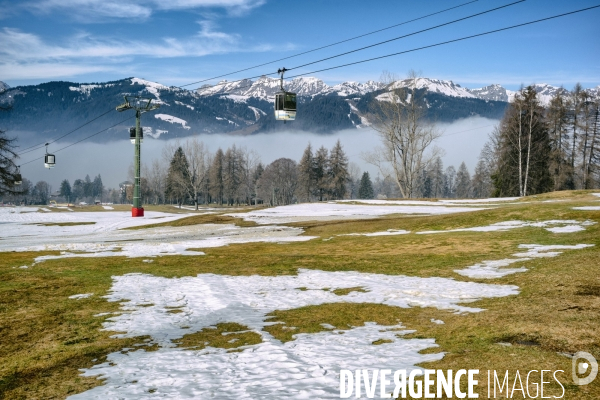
x=306 y=367
x=335 y=211
x=564 y=226
x=172 y=119
x=492 y=269
x=81 y=296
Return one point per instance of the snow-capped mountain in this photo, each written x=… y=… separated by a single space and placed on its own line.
x=3 y=86
x=265 y=88
x=447 y=88
x=492 y=92
x=240 y=107
x=356 y=88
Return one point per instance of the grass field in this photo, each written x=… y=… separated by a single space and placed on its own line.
x=47 y=337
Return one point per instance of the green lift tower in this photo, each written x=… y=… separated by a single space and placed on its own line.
x=140 y=105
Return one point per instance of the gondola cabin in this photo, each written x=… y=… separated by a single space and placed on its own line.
x=285 y=106
x=132 y=135
x=18 y=179
x=49 y=160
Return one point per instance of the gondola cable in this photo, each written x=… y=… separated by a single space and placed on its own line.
x=362 y=48
x=85 y=138
x=39 y=145
x=330 y=45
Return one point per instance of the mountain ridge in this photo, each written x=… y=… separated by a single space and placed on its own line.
x=239 y=107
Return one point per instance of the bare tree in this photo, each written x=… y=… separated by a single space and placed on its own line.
x=405 y=135
x=197 y=156
x=156 y=176
x=277 y=184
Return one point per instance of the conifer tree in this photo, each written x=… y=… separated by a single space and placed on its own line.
x=177 y=185
x=65 y=190
x=523 y=166
x=365 y=190
x=217 y=189
x=338 y=171
x=463 y=182
x=306 y=175
x=321 y=166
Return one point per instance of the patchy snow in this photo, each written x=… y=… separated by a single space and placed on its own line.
x=564 y=226
x=236 y=98
x=306 y=367
x=149 y=132
x=587 y=208
x=172 y=119
x=566 y=229
x=107 y=207
x=151 y=242
x=596 y=194
x=336 y=211
x=151 y=87
x=257 y=112
x=85 y=89
x=389 y=232
x=183 y=104
x=437 y=321
x=107 y=238
x=475 y=201
x=495 y=268
x=81 y=296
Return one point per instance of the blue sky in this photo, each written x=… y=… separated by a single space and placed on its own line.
x=176 y=42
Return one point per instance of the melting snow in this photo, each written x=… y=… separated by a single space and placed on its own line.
x=565 y=226
x=587 y=208
x=336 y=211
x=306 y=367
x=491 y=269
x=172 y=119
x=81 y=296
x=183 y=104
x=389 y=232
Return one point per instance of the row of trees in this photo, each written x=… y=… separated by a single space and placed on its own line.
x=82 y=189
x=237 y=176
x=534 y=149
x=538 y=149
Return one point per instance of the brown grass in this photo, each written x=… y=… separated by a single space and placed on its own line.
x=47 y=338
x=229 y=335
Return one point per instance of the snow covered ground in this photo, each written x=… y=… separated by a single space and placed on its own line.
x=341 y=210
x=306 y=367
x=106 y=238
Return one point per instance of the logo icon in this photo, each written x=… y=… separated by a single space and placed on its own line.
x=584 y=363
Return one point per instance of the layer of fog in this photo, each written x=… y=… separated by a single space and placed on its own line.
x=461 y=141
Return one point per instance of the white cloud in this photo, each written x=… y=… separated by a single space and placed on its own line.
x=93 y=11
x=13 y=71
x=22 y=47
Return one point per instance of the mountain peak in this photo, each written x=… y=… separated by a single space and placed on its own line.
x=3 y=86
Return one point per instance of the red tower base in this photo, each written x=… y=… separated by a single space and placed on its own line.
x=137 y=212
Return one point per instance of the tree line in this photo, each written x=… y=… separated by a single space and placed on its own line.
x=237 y=176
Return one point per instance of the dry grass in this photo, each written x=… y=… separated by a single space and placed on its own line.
x=47 y=337
x=64 y=223
x=229 y=335
x=199 y=219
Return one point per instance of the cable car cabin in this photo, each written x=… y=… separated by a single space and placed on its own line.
x=285 y=106
x=49 y=160
x=18 y=179
x=132 y=135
